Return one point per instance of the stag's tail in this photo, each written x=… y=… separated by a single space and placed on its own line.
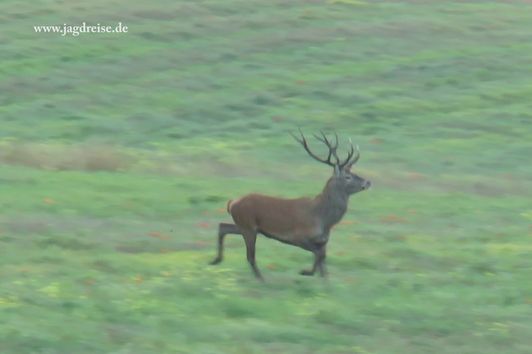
x=229 y=202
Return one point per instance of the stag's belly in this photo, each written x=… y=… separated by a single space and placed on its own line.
x=309 y=243
x=281 y=238
x=287 y=220
x=293 y=232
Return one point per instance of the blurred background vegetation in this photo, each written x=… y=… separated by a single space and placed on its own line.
x=119 y=151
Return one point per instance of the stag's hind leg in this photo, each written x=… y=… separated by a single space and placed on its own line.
x=224 y=229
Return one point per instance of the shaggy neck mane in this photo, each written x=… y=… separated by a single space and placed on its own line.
x=331 y=203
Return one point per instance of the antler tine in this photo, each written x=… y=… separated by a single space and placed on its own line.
x=336 y=147
x=349 y=161
x=335 y=139
x=349 y=153
x=332 y=147
x=303 y=142
x=323 y=138
x=354 y=161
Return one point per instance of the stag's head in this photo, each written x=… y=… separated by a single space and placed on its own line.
x=343 y=178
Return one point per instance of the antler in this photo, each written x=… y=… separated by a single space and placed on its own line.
x=349 y=161
x=323 y=138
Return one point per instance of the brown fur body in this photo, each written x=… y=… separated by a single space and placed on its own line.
x=288 y=220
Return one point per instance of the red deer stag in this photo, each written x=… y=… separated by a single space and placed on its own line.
x=302 y=222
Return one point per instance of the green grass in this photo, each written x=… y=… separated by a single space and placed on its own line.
x=119 y=152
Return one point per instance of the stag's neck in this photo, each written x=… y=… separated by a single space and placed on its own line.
x=331 y=204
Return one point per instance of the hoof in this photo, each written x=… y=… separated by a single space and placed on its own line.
x=215 y=261
x=306 y=272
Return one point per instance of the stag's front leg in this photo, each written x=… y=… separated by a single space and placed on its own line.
x=250 y=237
x=319 y=262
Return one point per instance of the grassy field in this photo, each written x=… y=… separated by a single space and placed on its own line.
x=118 y=153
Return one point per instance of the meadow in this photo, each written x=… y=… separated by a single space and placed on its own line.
x=118 y=153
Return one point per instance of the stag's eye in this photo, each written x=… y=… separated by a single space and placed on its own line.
x=348 y=178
